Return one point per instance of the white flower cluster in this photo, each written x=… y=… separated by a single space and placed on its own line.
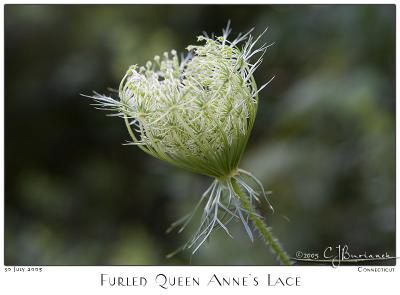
x=196 y=113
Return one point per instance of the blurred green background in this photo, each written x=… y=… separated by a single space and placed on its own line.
x=323 y=142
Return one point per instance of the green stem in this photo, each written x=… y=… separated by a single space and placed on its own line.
x=261 y=226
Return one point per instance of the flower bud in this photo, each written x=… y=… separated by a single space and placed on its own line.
x=196 y=114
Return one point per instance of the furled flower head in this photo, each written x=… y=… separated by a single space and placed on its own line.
x=197 y=113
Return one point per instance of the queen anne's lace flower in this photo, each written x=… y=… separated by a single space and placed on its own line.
x=197 y=113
